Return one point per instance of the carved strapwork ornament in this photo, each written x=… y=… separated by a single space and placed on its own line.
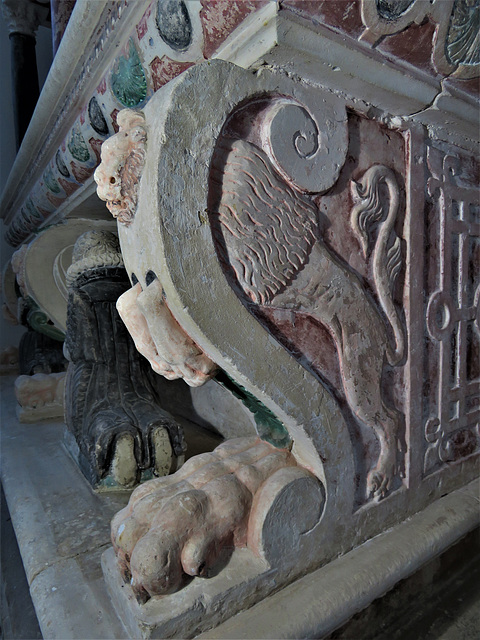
x=452 y=428
x=456 y=44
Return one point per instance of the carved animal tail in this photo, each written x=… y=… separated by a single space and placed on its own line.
x=387 y=262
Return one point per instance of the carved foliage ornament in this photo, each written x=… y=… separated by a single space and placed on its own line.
x=456 y=46
x=123 y=157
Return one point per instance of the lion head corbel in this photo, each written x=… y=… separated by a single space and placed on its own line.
x=123 y=157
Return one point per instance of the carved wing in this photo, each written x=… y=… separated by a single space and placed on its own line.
x=264 y=229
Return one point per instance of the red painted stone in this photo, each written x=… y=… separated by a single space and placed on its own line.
x=81 y=173
x=56 y=201
x=113 y=116
x=142 y=26
x=102 y=87
x=67 y=186
x=342 y=15
x=220 y=17
x=414 y=45
x=164 y=69
x=96 y=146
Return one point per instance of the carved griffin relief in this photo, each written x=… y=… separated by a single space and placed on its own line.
x=270 y=243
x=242 y=201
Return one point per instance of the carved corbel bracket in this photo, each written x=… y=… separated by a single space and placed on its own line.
x=168 y=247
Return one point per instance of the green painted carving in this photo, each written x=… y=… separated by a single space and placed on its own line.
x=78 y=147
x=40 y=322
x=50 y=180
x=32 y=210
x=269 y=427
x=129 y=83
x=462 y=45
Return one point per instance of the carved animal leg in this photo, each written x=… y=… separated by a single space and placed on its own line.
x=159 y=337
x=333 y=294
x=361 y=354
x=124 y=464
x=177 y=526
x=112 y=409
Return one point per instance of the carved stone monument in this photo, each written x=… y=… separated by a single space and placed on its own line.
x=295 y=276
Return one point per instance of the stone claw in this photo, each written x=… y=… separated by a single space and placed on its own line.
x=181 y=525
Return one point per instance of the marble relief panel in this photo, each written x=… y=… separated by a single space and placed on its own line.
x=319 y=270
x=452 y=370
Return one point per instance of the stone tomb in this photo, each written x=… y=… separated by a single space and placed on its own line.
x=299 y=276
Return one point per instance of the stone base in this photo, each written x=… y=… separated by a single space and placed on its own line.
x=29 y=415
x=62 y=529
x=199 y=606
x=310 y=607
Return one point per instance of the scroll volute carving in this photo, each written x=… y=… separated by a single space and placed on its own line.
x=271 y=236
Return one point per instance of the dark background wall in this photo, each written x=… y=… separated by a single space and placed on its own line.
x=8 y=333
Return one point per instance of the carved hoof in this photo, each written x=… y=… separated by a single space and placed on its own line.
x=182 y=525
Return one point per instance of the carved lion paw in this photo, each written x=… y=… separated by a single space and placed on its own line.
x=380 y=478
x=181 y=525
x=159 y=337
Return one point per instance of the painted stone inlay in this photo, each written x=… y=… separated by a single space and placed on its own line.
x=77 y=146
x=269 y=427
x=269 y=242
x=392 y=9
x=61 y=166
x=126 y=81
x=164 y=69
x=455 y=44
x=174 y=24
x=129 y=84
x=97 y=119
x=50 y=181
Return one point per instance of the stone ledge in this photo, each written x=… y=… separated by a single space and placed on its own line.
x=325 y=599
x=62 y=529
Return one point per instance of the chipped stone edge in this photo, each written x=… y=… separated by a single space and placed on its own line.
x=324 y=600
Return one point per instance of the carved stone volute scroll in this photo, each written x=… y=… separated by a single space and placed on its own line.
x=304 y=148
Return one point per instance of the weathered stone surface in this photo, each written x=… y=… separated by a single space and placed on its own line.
x=319 y=321
x=40 y=396
x=243 y=493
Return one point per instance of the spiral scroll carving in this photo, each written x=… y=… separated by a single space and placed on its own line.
x=308 y=148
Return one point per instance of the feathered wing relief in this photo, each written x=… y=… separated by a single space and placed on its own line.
x=269 y=242
x=265 y=247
